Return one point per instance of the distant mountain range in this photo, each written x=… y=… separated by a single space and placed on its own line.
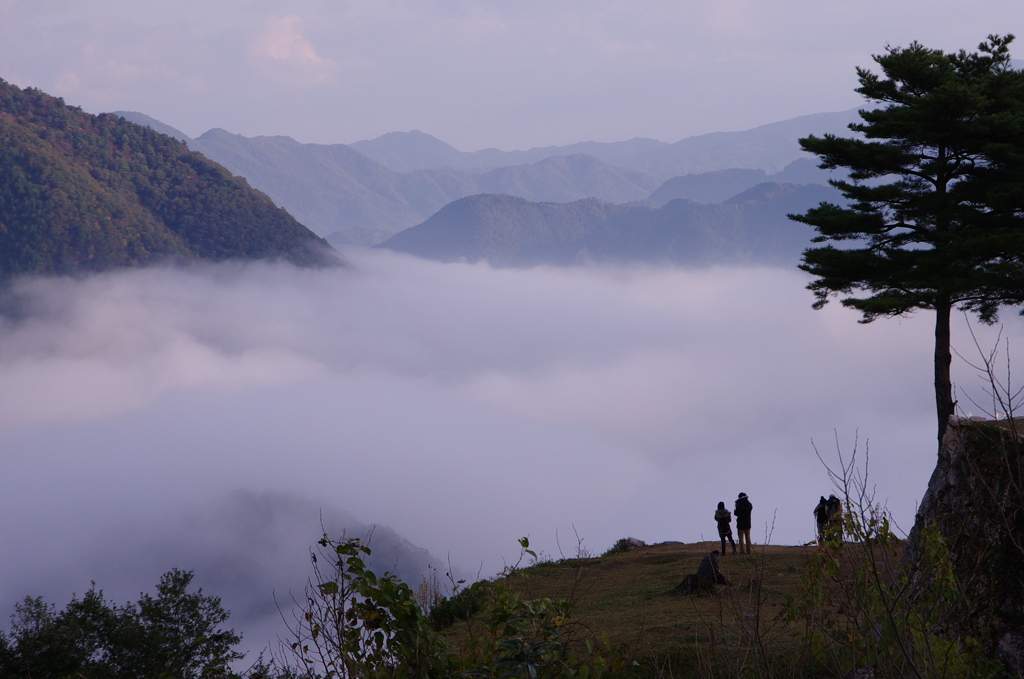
x=364 y=192
x=84 y=192
x=768 y=147
x=714 y=187
x=80 y=192
x=749 y=228
x=333 y=187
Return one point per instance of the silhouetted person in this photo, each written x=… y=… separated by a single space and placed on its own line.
x=835 y=517
x=710 y=570
x=743 y=509
x=724 y=518
x=821 y=519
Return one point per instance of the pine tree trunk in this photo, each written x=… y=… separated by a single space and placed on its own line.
x=943 y=359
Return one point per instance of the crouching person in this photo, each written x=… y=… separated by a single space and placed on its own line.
x=707 y=576
x=710 y=570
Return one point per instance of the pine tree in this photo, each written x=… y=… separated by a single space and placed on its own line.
x=935 y=211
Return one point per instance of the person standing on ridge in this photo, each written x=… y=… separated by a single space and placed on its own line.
x=821 y=519
x=835 y=517
x=743 y=509
x=724 y=518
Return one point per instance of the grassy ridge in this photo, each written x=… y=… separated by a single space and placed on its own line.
x=628 y=597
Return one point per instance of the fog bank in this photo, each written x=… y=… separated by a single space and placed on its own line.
x=200 y=418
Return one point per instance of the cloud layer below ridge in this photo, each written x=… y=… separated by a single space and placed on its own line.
x=460 y=405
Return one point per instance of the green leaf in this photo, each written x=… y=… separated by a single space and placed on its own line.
x=328 y=588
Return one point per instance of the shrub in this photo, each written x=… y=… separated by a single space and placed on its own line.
x=621 y=545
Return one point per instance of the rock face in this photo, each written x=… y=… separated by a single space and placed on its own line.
x=975 y=499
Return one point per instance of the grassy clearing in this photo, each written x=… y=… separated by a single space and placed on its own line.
x=628 y=598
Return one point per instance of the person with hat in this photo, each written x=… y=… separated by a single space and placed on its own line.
x=742 y=513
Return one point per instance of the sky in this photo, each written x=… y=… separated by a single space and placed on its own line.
x=202 y=418
x=475 y=73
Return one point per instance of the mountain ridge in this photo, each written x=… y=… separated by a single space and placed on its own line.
x=506 y=231
x=769 y=147
x=81 y=192
x=340 y=191
x=333 y=187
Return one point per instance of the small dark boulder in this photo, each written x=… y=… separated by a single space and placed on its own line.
x=694 y=584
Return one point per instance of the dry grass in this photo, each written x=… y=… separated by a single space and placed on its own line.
x=628 y=598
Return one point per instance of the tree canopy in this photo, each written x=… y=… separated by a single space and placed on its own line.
x=935 y=202
x=174 y=634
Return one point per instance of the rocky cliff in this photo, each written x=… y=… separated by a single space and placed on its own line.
x=975 y=501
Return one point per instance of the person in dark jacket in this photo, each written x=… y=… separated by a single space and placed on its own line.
x=821 y=519
x=724 y=518
x=743 y=509
x=710 y=569
x=835 y=517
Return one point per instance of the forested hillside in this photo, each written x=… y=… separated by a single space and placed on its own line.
x=80 y=192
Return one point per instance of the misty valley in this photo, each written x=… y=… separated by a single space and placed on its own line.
x=458 y=405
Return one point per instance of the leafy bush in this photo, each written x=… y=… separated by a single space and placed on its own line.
x=460 y=606
x=621 y=545
x=357 y=625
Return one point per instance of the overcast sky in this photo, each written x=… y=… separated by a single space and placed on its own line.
x=476 y=73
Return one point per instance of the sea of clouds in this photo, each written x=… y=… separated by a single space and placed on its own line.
x=211 y=418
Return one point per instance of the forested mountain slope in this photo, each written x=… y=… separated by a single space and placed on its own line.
x=84 y=192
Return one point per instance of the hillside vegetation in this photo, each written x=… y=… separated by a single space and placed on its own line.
x=80 y=192
x=848 y=608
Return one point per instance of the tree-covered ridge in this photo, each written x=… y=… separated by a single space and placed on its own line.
x=84 y=192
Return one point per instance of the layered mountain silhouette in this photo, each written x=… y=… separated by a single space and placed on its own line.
x=767 y=147
x=333 y=187
x=364 y=192
x=749 y=228
x=714 y=187
x=80 y=192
